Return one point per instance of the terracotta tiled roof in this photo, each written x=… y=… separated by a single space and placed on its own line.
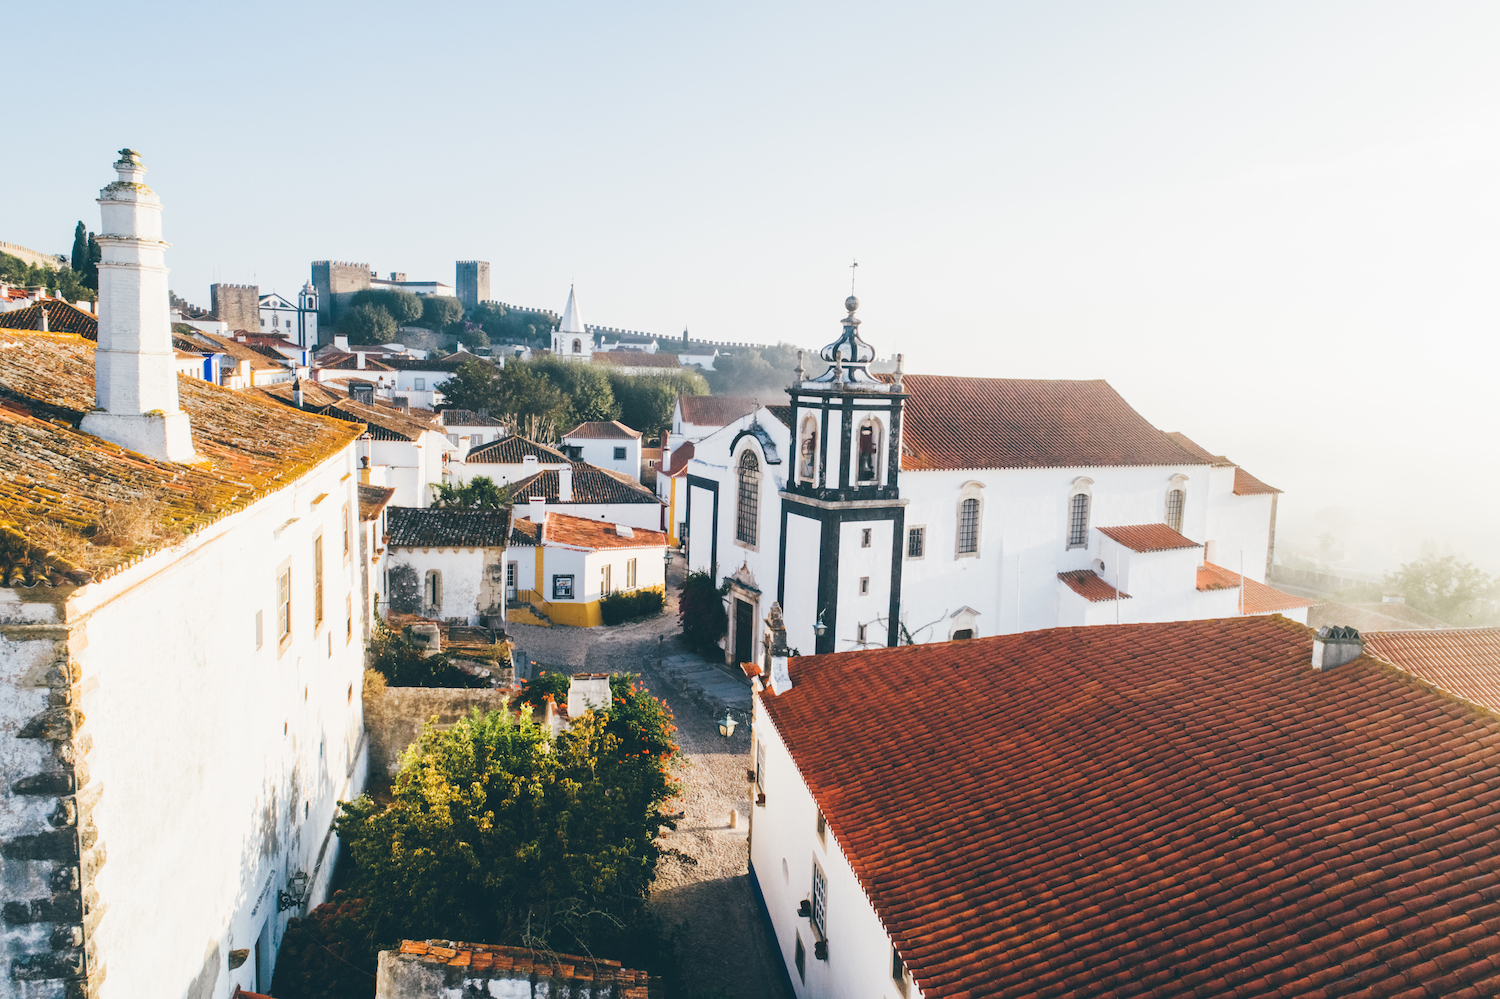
x=512 y=450
x=580 y=532
x=782 y=413
x=56 y=475
x=1022 y=423
x=1216 y=577
x=603 y=430
x=384 y=422
x=635 y=359
x=555 y=974
x=1148 y=537
x=240 y=351
x=525 y=532
x=681 y=455
x=1195 y=450
x=372 y=499
x=1087 y=584
x=1246 y=484
x=61 y=318
x=591 y=484
x=1463 y=661
x=1258 y=598
x=446 y=527
x=1372 y=617
x=350 y=362
x=450 y=363
x=469 y=418
x=1168 y=810
x=715 y=410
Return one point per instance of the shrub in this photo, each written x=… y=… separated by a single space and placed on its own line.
x=701 y=612
x=536 y=690
x=402 y=664
x=632 y=605
x=329 y=954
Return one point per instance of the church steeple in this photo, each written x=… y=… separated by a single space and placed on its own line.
x=849 y=355
x=572 y=322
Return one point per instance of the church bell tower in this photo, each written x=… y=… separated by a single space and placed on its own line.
x=842 y=515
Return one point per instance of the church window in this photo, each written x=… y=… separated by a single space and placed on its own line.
x=1174 y=509
x=747 y=521
x=968 y=527
x=578 y=346
x=807 y=468
x=433 y=592
x=869 y=459
x=916 y=542
x=1078 y=520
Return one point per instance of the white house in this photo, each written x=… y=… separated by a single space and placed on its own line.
x=694 y=417
x=297 y=321
x=509 y=459
x=1187 y=809
x=479 y=427
x=607 y=443
x=417 y=381
x=920 y=508
x=582 y=490
x=179 y=690
x=446 y=563
x=562 y=566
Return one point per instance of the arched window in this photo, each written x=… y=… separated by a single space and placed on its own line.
x=432 y=593
x=1080 y=501
x=747 y=518
x=807 y=458
x=578 y=346
x=1175 y=499
x=868 y=468
x=970 y=519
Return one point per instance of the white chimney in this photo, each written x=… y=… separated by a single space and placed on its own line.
x=342 y=343
x=537 y=513
x=528 y=465
x=565 y=485
x=359 y=360
x=135 y=367
x=1335 y=646
x=587 y=690
x=624 y=531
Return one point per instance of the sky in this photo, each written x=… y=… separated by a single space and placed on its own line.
x=1271 y=226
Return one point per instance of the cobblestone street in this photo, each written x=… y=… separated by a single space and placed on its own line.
x=704 y=885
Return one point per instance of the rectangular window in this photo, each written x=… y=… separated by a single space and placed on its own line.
x=630 y=574
x=819 y=900
x=968 y=527
x=284 y=605
x=859 y=633
x=864 y=586
x=349 y=619
x=317 y=581
x=800 y=958
x=619 y=454
x=760 y=766
x=916 y=542
x=1174 y=510
x=346 y=532
x=420 y=384
x=605 y=577
x=562 y=587
x=510 y=575
x=1078 y=521
x=899 y=973
x=822 y=827
x=864 y=538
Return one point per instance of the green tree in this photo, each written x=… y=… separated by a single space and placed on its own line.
x=646 y=401
x=586 y=388
x=440 y=311
x=404 y=307
x=479 y=493
x=367 y=323
x=504 y=325
x=91 y=269
x=515 y=392
x=700 y=611
x=497 y=832
x=758 y=371
x=1457 y=592
x=80 y=256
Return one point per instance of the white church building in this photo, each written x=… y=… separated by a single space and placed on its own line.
x=180 y=650
x=297 y=321
x=571 y=340
x=883 y=510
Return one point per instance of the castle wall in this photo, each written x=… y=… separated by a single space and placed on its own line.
x=336 y=282
x=472 y=281
x=238 y=305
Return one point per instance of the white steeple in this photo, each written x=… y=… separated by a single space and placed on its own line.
x=135 y=370
x=572 y=322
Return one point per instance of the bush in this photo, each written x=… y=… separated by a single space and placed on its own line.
x=701 y=612
x=329 y=954
x=393 y=656
x=622 y=606
x=545 y=685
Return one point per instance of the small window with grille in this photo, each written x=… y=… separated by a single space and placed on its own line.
x=1078 y=521
x=1174 y=509
x=968 y=527
x=747 y=519
x=864 y=538
x=916 y=542
x=820 y=900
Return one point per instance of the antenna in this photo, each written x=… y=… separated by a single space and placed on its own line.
x=852 y=270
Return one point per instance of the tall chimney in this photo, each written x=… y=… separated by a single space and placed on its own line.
x=538 y=511
x=135 y=372
x=1335 y=646
x=565 y=485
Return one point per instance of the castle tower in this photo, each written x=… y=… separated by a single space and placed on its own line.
x=571 y=340
x=471 y=282
x=842 y=510
x=135 y=372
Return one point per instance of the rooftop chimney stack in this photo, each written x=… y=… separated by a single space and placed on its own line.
x=135 y=370
x=538 y=510
x=565 y=485
x=1335 y=646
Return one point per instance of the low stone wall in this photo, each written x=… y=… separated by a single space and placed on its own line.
x=394 y=717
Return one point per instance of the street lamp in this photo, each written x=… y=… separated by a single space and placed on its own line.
x=820 y=627
x=727 y=724
x=296 y=895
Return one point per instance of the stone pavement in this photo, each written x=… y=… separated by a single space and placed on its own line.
x=705 y=682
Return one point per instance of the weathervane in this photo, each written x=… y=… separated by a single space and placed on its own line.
x=851 y=276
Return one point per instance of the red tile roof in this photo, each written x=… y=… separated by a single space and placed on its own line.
x=1148 y=537
x=1197 y=451
x=635 y=359
x=1258 y=598
x=513 y=449
x=1087 y=584
x=952 y=422
x=680 y=458
x=715 y=410
x=591 y=484
x=372 y=499
x=567 y=974
x=452 y=362
x=580 y=532
x=1216 y=577
x=61 y=318
x=446 y=527
x=603 y=430
x=1246 y=484
x=1168 y=810
x=1463 y=661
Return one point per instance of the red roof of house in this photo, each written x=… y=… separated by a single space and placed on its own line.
x=952 y=422
x=61 y=318
x=635 y=359
x=1087 y=584
x=1148 y=537
x=1197 y=450
x=715 y=410
x=1258 y=598
x=581 y=532
x=680 y=458
x=603 y=430
x=1463 y=661
x=1166 y=810
x=1246 y=484
x=483 y=968
x=1216 y=577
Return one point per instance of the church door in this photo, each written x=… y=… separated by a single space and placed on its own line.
x=744 y=630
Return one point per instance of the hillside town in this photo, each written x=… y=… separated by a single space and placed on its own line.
x=369 y=636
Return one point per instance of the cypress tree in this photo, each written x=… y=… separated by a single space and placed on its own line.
x=91 y=267
x=80 y=249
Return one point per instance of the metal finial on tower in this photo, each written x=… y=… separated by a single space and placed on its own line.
x=853 y=269
x=799 y=371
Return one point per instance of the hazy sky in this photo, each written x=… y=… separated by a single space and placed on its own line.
x=1272 y=226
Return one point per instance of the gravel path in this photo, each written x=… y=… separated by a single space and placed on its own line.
x=724 y=945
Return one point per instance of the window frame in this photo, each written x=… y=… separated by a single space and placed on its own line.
x=971 y=490
x=807 y=452
x=630 y=573
x=318 y=602
x=747 y=500
x=877 y=435
x=1076 y=534
x=819 y=917
x=920 y=531
x=432 y=591
x=620 y=454
x=866 y=537
x=284 y=623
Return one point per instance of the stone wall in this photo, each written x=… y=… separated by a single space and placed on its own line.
x=336 y=282
x=394 y=717
x=236 y=304
x=471 y=282
x=421 y=338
